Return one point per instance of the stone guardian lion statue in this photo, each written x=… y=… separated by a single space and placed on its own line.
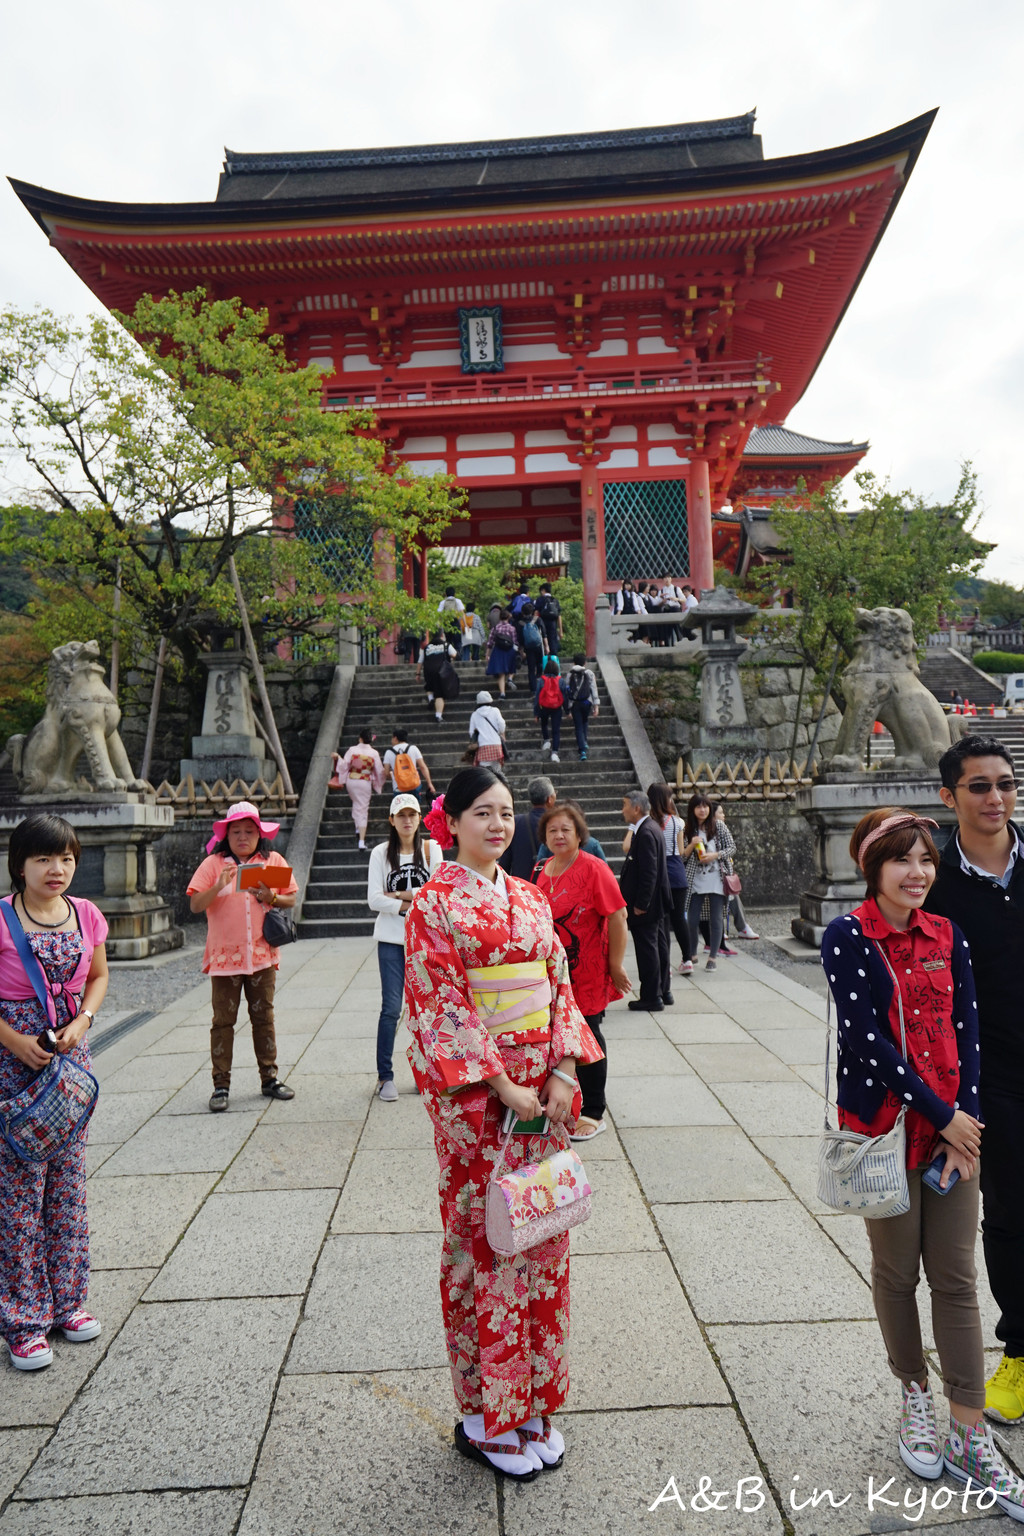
x=82 y=715
x=882 y=683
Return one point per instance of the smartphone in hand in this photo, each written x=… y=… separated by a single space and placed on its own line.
x=933 y=1173
x=539 y=1126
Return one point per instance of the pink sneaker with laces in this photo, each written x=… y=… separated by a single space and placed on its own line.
x=79 y=1327
x=33 y=1355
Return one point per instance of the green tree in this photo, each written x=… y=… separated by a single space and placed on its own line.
x=1001 y=603
x=162 y=450
x=895 y=550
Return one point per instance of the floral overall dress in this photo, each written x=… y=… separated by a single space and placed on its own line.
x=44 y=1230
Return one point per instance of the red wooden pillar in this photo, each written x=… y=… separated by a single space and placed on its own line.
x=698 y=517
x=594 y=577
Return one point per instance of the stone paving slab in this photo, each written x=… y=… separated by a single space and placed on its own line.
x=746 y=1063
x=212 y=1513
x=96 y=1154
x=714 y=1162
x=181 y=1144
x=797 y=1047
x=665 y=1101
x=374 y=1301
x=394 y=1193
x=712 y=1244
x=634 y=1341
x=340 y=1096
x=18 y=1450
x=772 y=1109
x=43 y=1397
x=181 y=1401
x=620 y=1221
x=403 y=1124
x=702 y=1028
x=618 y=1464
x=119 y=1115
x=135 y=1220
x=779 y=1374
x=303 y=1155
x=644 y=1058
x=312 y=1482
x=146 y=1073
x=256 y=1243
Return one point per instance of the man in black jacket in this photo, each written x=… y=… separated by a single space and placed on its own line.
x=521 y=854
x=980 y=887
x=648 y=897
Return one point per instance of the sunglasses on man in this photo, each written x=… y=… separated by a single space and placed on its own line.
x=986 y=786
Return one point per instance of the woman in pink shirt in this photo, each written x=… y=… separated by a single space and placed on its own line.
x=237 y=956
x=44 y=1230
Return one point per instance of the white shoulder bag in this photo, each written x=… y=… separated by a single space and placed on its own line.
x=864 y=1175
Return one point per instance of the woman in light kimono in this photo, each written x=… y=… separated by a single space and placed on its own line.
x=362 y=774
x=506 y=1317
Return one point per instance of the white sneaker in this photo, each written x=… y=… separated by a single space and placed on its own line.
x=555 y=757
x=748 y=933
x=387 y=1092
x=545 y=746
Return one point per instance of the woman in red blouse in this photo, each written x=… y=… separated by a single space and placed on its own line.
x=886 y=958
x=590 y=920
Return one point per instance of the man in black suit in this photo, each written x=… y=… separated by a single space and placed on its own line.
x=648 y=897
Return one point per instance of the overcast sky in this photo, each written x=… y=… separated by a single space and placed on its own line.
x=126 y=100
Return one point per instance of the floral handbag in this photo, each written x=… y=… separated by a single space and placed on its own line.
x=536 y=1202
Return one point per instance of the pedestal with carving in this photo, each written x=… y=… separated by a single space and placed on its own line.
x=229 y=747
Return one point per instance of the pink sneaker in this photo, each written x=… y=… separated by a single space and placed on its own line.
x=79 y=1327
x=33 y=1355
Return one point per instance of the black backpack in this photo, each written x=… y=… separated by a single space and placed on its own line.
x=551 y=606
x=579 y=688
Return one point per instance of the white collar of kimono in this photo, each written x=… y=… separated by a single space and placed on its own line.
x=500 y=884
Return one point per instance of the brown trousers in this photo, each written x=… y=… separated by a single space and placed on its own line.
x=259 y=994
x=939 y=1231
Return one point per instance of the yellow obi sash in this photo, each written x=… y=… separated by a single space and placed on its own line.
x=512 y=999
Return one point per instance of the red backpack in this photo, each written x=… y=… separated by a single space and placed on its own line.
x=550 y=696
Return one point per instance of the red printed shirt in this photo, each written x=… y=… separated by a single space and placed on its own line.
x=922 y=958
x=582 y=900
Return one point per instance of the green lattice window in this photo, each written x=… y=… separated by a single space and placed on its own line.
x=340 y=538
x=645 y=529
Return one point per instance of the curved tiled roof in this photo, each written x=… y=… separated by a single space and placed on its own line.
x=236 y=163
x=780 y=442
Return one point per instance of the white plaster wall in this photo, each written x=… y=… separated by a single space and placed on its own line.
x=544 y=463
x=441 y=357
x=546 y=439
x=423 y=445
x=427 y=466
x=496 y=465
x=665 y=456
x=484 y=440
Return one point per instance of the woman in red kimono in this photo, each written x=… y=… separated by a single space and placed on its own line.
x=478 y=942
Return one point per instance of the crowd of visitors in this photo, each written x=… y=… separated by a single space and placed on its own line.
x=506 y=956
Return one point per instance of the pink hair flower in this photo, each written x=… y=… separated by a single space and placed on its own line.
x=436 y=823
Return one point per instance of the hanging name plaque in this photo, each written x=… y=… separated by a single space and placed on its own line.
x=480 y=345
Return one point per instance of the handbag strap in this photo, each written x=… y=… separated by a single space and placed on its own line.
x=30 y=961
x=828 y=1024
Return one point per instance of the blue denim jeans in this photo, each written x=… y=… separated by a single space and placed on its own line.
x=580 y=712
x=391 y=960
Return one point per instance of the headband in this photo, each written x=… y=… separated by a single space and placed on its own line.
x=904 y=819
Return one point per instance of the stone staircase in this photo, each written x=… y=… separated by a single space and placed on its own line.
x=1010 y=732
x=944 y=669
x=335 y=903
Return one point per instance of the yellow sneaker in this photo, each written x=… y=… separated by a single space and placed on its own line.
x=1004 y=1392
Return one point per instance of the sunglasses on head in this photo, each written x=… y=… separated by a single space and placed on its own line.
x=1005 y=786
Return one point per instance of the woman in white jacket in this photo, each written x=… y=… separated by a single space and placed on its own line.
x=397 y=870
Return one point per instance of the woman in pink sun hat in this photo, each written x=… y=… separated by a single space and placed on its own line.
x=237 y=956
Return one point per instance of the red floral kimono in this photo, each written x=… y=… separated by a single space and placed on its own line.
x=506 y=1317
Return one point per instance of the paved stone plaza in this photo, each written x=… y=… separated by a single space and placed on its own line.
x=272 y=1360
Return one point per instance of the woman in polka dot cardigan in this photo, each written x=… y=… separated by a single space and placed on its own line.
x=888 y=941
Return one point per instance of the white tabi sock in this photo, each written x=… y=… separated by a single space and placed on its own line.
x=517 y=1461
x=548 y=1450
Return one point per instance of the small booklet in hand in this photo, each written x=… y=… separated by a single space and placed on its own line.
x=251 y=875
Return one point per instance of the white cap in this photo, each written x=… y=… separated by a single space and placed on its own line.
x=483 y=697
x=403 y=803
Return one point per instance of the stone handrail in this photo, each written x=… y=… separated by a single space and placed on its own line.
x=303 y=839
